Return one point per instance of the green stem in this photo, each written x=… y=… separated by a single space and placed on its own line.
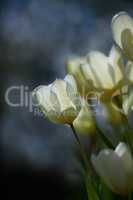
x=87 y=189
x=130 y=196
x=107 y=142
x=85 y=159
x=91 y=192
x=82 y=150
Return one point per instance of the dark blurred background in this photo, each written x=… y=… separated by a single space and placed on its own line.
x=37 y=158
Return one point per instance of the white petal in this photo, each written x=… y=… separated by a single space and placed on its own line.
x=116 y=64
x=98 y=70
x=116 y=58
x=120 y=23
x=70 y=80
x=42 y=94
x=72 y=91
x=74 y=68
x=59 y=89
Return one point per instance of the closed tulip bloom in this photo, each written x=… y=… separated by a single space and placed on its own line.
x=85 y=121
x=115 y=168
x=122 y=27
x=59 y=101
x=105 y=73
x=73 y=67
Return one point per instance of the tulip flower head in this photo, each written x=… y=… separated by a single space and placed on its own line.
x=115 y=168
x=105 y=73
x=59 y=101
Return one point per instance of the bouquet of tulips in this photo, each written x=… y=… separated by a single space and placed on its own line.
x=99 y=86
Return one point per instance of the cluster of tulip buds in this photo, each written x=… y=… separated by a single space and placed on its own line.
x=93 y=81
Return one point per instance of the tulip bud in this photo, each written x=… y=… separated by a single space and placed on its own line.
x=74 y=68
x=122 y=28
x=85 y=121
x=60 y=101
x=105 y=73
x=115 y=168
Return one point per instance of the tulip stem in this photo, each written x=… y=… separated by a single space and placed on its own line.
x=91 y=192
x=130 y=196
x=107 y=142
x=84 y=156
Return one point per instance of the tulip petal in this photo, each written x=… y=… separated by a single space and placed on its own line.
x=68 y=110
x=42 y=96
x=116 y=59
x=120 y=23
x=97 y=70
x=74 y=68
x=59 y=88
x=116 y=64
x=122 y=27
x=70 y=80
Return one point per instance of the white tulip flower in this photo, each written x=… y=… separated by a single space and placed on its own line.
x=105 y=73
x=115 y=168
x=59 y=101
